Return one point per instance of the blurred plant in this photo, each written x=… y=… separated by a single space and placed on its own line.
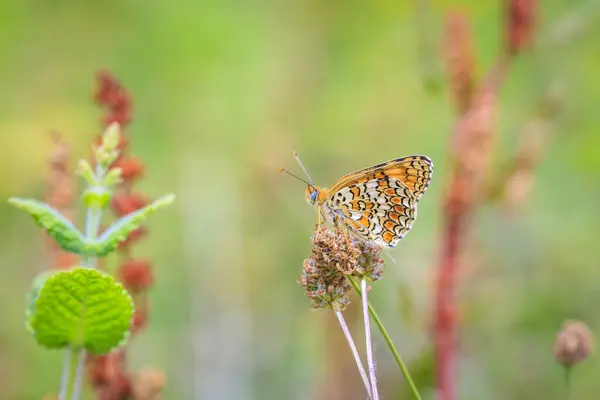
x=516 y=181
x=327 y=277
x=82 y=309
x=60 y=194
x=429 y=65
x=573 y=344
x=460 y=60
x=108 y=373
x=470 y=155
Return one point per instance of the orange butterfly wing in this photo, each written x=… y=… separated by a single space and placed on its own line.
x=379 y=203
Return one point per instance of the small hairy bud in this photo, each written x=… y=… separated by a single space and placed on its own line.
x=573 y=344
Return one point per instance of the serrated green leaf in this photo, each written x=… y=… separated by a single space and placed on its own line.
x=82 y=308
x=32 y=295
x=57 y=226
x=119 y=230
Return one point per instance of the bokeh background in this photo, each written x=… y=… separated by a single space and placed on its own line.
x=223 y=92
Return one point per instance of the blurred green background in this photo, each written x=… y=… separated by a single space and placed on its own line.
x=223 y=92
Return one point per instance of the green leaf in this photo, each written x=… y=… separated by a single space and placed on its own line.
x=113 y=177
x=85 y=170
x=82 y=308
x=119 y=230
x=58 y=226
x=32 y=295
x=96 y=197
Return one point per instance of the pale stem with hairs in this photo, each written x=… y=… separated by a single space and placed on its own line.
x=361 y=369
x=369 y=346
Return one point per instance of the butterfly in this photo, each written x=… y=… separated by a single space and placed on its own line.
x=377 y=203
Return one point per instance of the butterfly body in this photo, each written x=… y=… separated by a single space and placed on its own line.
x=377 y=203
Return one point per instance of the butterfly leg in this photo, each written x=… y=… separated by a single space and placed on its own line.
x=343 y=229
x=321 y=217
x=319 y=212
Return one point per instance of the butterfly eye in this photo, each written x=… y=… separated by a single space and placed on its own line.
x=313 y=196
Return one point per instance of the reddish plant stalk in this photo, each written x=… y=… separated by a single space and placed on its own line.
x=472 y=143
x=471 y=152
x=445 y=312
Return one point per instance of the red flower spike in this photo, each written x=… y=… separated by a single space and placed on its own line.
x=115 y=98
x=101 y=369
x=109 y=374
x=120 y=388
x=125 y=203
x=136 y=275
x=133 y=237
x=106 y=86
x=131 y=168
x=520 y=24
x=140 y=319
x=65 y=260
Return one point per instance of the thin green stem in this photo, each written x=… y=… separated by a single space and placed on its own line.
x=79 y=375
x=93 y=219
x=390 y=344
x=568 y=381
x=359 y=365
x=69 y=377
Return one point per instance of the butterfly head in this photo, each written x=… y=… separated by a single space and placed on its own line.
x=314 y=195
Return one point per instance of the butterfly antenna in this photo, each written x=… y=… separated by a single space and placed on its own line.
x=303 y=169
x=295 y=176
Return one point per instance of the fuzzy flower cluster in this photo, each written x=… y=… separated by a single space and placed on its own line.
x=334 y=257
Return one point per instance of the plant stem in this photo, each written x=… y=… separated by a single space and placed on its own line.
x=93 y=219
x=361 y=369
x=69 y=378
x=75 y=358
x=79 y=375
x=568 y=381
x=390 y=344
x=369 y=346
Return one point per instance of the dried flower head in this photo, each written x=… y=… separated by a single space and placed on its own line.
x=573 y=344
x=335 y=250
x=324 y=272
x=334 y=257
x=370 y=261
